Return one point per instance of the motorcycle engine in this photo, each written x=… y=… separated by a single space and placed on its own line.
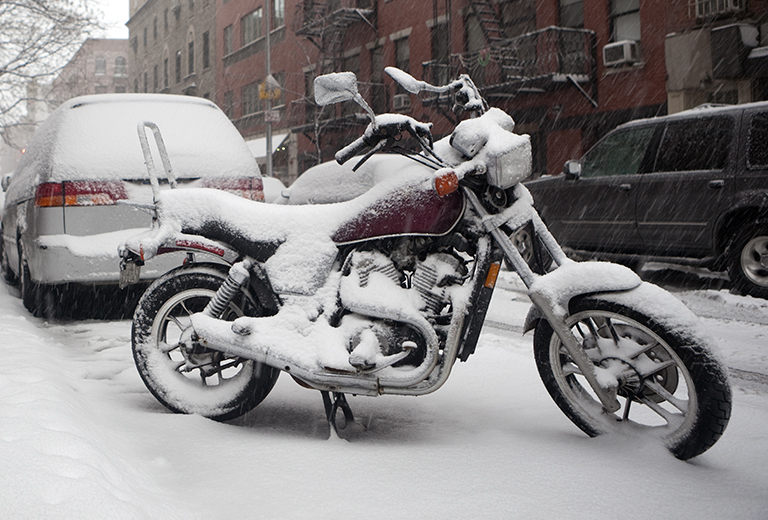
x=429 y=276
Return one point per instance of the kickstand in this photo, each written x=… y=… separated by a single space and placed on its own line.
x=332 y=406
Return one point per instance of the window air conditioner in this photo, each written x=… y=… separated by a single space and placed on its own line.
x=620 y=53
x=401 y=102
x=705 y=8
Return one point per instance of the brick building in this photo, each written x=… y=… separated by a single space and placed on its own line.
x=100 y=66
x=567 y=70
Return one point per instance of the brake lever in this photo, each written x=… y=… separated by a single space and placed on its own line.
x=368 y=155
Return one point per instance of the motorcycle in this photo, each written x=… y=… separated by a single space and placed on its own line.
x=382 y=293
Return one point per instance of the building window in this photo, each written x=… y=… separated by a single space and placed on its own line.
x=571 y=13
x=280 y=78
x=155 y=78
x=206 y=50
x=165 y=72
x=146 y=81
x=178 y=66
x=121 y=66
x=100 y=89
x=227 y=37
x=250 y=27
x=229 y=104
x=440 y=54
x=250 y=98
x=136 y=85
x=100 y=66
x=165 y=20
x=402 y=54
x=145 y=38
x=625 y=20
x=191 y=57
x=119 y=89
x=135 y=44
x=154 y=29
x=518 y=16
x=278 y=13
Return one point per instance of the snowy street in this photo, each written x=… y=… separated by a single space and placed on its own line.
x=81 y=437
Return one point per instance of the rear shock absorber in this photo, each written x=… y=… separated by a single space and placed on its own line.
x=238 y=275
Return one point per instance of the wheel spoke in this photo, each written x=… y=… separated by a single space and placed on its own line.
x=176 y=321
x=643 y=349
x=612 y=331
x=165 y=348
x=680 y=404
x=668 y=416
x=658 y=367
x=627 y=405
x=571 y=369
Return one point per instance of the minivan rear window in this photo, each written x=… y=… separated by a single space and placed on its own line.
x=757 y=151
x=695 y=144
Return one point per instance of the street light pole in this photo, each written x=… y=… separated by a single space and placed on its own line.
x=267 y=112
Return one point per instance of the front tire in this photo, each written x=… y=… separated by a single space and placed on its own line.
x=748 y=261
x=667 y=386
x=187 y=378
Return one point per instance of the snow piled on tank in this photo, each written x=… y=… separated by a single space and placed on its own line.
x=95 y=137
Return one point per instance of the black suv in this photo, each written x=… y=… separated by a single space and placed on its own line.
x=691 y=187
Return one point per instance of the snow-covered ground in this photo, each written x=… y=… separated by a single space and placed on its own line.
x=81 y=438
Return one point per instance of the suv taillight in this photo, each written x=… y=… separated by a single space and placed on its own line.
x=250 y=188
x=79 y=193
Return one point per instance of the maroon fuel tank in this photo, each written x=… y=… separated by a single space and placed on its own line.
x=407 y=210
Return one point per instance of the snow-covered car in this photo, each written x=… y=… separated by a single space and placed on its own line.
x=65 y=211
x=692 y=187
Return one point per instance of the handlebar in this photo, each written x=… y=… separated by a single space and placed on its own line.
x=385 y=128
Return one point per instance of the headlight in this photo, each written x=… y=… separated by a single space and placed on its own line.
x=510 y=168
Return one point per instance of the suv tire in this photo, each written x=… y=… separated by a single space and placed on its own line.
x=748 y=261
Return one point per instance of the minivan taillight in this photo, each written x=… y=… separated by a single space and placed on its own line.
x=80 y=193
x=250 y=188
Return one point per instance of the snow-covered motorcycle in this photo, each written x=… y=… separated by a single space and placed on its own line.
x=382 y=293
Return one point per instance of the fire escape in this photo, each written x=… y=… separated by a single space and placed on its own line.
x=535 y=62
x=326 y=24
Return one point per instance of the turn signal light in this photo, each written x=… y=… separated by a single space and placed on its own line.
x=251 y=188
x=446 y=183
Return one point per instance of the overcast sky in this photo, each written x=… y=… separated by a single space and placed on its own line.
x=115 y=15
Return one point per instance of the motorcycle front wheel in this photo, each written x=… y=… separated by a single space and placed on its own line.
x=668 y=385
x=184 y=376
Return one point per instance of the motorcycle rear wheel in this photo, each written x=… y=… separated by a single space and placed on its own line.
x=667 y=386
x=188 y=378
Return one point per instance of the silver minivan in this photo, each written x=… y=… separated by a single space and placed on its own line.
x=65 y=205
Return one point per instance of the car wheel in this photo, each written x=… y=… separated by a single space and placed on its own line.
x=5 y=269
x=38 y=299
x=748 y=261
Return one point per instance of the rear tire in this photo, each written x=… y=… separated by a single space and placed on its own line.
x=39 y=299
x=748 y=261
x=668 y=387
x=189 y=378
x=5 y=269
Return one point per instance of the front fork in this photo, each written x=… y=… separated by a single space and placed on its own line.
x=556 y=319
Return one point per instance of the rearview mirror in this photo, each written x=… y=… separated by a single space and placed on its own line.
x=572 y=170
x=335 y=88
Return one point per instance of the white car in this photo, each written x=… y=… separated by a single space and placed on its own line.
x=64 y=213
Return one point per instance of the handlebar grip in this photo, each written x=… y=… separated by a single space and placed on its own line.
x=350 y=150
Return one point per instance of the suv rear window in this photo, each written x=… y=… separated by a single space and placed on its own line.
x=757 y=152
x=695 y=144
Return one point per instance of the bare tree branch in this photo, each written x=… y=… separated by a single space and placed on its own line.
x=37 y=38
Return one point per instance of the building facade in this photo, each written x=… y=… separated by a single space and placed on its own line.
x=568 y=71
x=100 y=66
x=172 y=46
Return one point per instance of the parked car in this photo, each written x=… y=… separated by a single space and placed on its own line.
x=64 y=214
x=691 y=187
